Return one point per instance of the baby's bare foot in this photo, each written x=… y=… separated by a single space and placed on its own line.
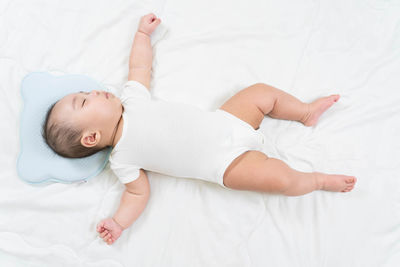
x=318 y=107
x=336 y=183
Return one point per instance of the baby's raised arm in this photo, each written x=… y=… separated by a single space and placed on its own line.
x=141 y=57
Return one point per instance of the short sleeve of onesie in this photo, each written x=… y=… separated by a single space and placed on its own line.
x=127 y=173
x=134 y=90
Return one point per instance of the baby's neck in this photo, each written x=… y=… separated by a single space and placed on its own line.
x=118 y=132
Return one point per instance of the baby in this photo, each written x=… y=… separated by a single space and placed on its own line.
x=222 y=146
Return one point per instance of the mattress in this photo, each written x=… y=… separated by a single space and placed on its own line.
x=212 y=50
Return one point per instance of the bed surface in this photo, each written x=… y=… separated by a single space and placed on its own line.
x=211 y=50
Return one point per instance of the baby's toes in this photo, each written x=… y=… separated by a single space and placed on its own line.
x=351 y=181
x=335 y=98
x=348 y=188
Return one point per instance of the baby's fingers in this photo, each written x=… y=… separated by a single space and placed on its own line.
x=103 y=234
x=111 y=241
x=156 y=22
x=107 y=238
x=100 y=226
x=149 y=17
x=152 y=19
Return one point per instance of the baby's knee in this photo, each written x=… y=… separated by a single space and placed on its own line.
x=261 y=87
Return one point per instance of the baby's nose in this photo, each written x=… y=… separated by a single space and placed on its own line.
x=94 y=92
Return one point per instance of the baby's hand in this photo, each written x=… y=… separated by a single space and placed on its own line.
x=109 y=230
x=148 y=24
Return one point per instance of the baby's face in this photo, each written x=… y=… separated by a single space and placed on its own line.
x=95 y=110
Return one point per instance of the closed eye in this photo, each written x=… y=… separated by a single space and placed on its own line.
x=83 y=102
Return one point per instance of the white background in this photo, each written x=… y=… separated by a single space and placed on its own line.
x=210 y=51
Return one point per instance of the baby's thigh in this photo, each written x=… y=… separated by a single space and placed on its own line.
x=246 y=170
x=244 y=105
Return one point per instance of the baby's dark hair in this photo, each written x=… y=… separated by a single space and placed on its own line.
x=65 y=139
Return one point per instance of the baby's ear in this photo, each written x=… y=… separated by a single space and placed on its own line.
x=90 y=139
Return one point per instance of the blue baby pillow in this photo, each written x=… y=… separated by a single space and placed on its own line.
x=36 y=162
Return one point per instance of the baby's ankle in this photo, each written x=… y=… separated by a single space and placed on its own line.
x=319 y=180
x=307 y=114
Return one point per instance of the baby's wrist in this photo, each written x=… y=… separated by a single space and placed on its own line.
x=116 y=222
x=142 y=31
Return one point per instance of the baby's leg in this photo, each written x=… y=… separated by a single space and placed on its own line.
x=281 y=105
x=254 y=171
x=254 y=102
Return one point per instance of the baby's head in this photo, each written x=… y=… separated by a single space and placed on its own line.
x=81 y=124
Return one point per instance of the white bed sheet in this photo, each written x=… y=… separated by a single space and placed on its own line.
x=213 y=49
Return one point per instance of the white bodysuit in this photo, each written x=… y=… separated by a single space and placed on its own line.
x=177 y=139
